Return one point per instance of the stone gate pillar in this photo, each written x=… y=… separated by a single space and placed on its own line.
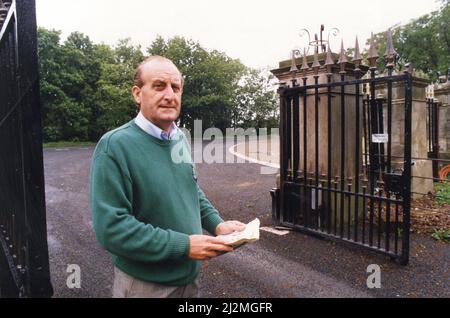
x=350 y=142
x=442 y=94
x=422 y=169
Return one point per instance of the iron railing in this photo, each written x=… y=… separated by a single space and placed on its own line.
x=433 y=134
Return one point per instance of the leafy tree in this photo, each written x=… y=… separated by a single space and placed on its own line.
x=69 y=76
x=424 y=42
x=64 y=118
x=113 y=98
x=256 y=104
x=86 y=87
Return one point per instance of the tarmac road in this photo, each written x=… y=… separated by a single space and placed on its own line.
x=294 y=265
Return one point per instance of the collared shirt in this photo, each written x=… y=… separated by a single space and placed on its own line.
x=153 y=130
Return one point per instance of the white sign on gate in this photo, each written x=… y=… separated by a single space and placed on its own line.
x=380 y=138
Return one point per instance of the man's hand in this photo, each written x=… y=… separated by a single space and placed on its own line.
x=229 y=227
x=203 y=247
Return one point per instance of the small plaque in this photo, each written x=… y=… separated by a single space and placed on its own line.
x=380 y=138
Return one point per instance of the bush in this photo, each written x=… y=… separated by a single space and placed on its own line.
x=441 y=235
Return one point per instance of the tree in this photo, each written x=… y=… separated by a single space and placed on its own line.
x=255 y=102
x=113 y=99
x=62 y=83
x=86 y=87
x=424 y=42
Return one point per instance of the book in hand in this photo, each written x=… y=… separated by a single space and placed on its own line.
x=249 y=235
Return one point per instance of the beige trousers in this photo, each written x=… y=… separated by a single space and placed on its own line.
x=126 y=286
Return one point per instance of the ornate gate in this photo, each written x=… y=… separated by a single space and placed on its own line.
x=24 y=264
x=346 y=152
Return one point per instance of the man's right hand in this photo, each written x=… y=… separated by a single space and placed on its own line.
x=203 y=247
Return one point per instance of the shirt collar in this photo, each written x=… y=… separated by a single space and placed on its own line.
x=153 y=130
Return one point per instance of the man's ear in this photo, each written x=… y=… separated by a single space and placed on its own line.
x=136 y=91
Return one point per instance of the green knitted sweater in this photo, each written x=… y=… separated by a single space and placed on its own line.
x=145 y=203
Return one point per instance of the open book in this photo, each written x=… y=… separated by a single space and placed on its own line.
x=249 y=235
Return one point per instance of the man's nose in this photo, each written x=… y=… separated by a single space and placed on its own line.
x=169 y=94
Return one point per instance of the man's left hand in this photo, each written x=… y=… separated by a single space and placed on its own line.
x=229 y=227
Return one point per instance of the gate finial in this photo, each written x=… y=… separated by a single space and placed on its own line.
x=390 y=51
x=373 y=55
x=329 y=61
x=316 y=65
x=294 y=68
x=357 y=57
x=342 y=58
x=305 y=66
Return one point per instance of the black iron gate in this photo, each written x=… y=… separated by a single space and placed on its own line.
x=24 y=264
x=345 y=153
x=433 y=134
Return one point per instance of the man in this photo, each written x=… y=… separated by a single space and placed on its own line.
x=148 y=211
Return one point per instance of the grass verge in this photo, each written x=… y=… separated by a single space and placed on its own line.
x=68 y=144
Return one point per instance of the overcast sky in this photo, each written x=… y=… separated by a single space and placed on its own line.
x=258 y=32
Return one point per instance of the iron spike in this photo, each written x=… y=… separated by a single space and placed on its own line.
x=390 y=51
x=294 y=68
x=316 y=65
x=373 y=55
x=342 y=58
x=357 y=57
x=329 y=62
x=305 y=66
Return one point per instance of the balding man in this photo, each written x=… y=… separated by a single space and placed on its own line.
x=149 y=211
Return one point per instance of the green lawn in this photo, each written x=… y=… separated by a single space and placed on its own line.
x=68 y=144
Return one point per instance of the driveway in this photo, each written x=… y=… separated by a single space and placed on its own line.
x=292 y=265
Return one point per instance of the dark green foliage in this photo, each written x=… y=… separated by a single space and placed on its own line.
x=441 y=235
x=424 y=42
x=442 y=193
x=86 y=87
